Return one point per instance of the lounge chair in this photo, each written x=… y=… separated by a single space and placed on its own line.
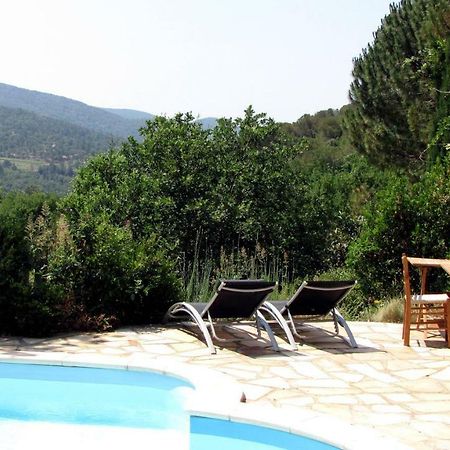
x=313 y=299
x=234 y=299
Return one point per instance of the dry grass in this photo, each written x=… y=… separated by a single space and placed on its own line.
x=391 y=311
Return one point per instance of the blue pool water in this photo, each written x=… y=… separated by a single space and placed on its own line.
x=207 y=434
x=91 y=408
x=91 y=396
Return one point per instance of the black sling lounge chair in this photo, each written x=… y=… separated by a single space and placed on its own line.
x=312 y=299
x=234 y=299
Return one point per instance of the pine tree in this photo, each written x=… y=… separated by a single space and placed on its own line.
x=397 y=79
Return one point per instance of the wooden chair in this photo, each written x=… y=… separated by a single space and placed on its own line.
x=425 y=311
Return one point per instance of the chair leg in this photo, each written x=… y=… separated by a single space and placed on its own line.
x=271 y=310
x=197 y=319
x=407 y=301
x=342 y=322
x=263 y=322
x=447 y=321
x=406 y=326
x=291 y=322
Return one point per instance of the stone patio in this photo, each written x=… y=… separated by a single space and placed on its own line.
x=401 y=392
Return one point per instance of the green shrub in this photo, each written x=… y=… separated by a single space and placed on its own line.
x=113 y=277
x=409 y=218
x=375 y=256
x=27 y=306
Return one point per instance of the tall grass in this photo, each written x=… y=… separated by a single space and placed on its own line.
x=202 y=274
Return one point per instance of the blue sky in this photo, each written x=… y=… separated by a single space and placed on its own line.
x=210 y=57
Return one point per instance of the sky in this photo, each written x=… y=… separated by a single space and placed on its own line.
x=213 y=58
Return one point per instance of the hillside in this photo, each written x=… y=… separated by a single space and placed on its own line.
x=27 y=135
x=207 y=122
x=130 y=114
x=72 y=111
x=45 y=137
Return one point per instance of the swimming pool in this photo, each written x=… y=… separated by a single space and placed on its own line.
x=211 y=433
x=90 y=408
x=109 y=408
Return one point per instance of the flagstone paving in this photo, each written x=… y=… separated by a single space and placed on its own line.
x=401 y=392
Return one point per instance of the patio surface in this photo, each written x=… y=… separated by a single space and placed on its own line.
x=400 y=392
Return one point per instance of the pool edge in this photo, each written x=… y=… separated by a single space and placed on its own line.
x=217 y=395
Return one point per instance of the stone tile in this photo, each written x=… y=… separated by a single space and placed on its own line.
x=434 y=407
x=325 y=383
x=239 y=374
x=371 y=399
x=347 y=376
x=438 y=418
x=272 y=382
x=299 y=401
x=377 y=419
x=158 y=349
x=426 y=385
x=389 y=409
x=431 y=429
x=442 y=374
x=339 y=399
x=415 y=374
x=433 y=397
x=399 y=397
x=254 y=392
x=308 y=369
x=372 y=373
x=181 y=347
x=438 y=364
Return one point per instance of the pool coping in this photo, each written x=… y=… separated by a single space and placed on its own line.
x=219 y=396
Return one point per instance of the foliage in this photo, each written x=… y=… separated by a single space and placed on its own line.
x=439 y=147
x=31 y=175
x=127 y=280
x=407 y=218
x=375 y=255
x=25 y=134
x=230 y=186
x=325 y=124
x=165 y=216
x=396 y=81
x=27 y=305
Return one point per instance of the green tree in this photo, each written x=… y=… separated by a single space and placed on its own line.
x=230 y=183
x=182 y=187
x=394 y=92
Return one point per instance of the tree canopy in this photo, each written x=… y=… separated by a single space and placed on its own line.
x=398 y=81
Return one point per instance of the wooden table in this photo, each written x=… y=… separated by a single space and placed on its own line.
x=423 y=264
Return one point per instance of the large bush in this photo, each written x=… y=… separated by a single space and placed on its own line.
x=115 y=276
x=222 y=189
x=27 y=305
x=407 y=218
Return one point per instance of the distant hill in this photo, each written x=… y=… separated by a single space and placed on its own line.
x=27 y=135
x=45 y=137
x=208 y=122
x=130 y=114
x=72 y=111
